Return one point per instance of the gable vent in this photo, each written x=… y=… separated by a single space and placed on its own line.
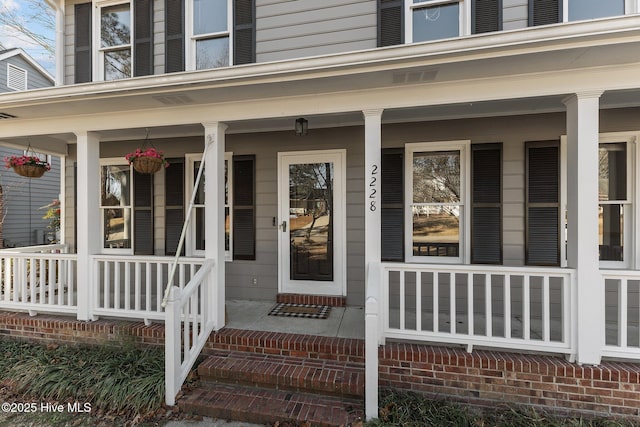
x=414 y=76
x=6 y=116
x=16 y=78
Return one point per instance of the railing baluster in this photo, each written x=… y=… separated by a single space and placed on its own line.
x=546 y=311
x=507 y=306
x=107 y=284
x=623 y=312
x=51 y=280
x=159 y=286
x=137 y=280
x=402 y=298
x=181 y=277
x=33 y=283
x=116 y=285
x=147 y=284
x=436 y=302
x=186 y=329
x=418 y=301
x=526 y=307
x=470 y=308
x=60 y=277
x=71 y=281
x=488 y=311
x=452 y=303
x=127 y=285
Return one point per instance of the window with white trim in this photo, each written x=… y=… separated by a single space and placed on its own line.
x=436 y=201
x=113 y=25
x=615 y=202
x=16 y=77
x=116 y=194
x=436 y=19
x=209 y=37
x=196 y=242
x=578 y=10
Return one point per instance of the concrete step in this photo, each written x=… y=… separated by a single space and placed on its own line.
x=259 y=405
x=331 y=377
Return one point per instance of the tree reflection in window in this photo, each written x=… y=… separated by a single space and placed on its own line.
x=115 y=41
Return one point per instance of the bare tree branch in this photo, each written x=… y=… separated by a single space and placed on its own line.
x=32 y=25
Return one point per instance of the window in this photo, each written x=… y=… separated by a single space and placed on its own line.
x=614 y=207
x=436 y=203
x=197 y=232
x=115 y=206
x=209 y=29
x=435 y=19
x=114 y=50
x=16 y=77
x=578 y=10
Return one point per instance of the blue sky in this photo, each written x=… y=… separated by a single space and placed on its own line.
x=10 y=38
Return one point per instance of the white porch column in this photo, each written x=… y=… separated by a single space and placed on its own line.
x=582 y=209
x=372 y=253
x=214 y=135
x=372 y=187
x=88 y=221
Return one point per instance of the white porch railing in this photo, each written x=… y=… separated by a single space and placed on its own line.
x=622 y=313
x=133 y=286
x=506 y=307
x=38 y=279
x=189 y=321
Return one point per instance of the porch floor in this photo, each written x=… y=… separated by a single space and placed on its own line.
x=343 y=322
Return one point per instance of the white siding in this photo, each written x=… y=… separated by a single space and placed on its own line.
x=298 y=28
x=515 y=14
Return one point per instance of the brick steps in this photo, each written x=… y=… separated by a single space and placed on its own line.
x=267 y=377
x=257 y=405
x=282 y=372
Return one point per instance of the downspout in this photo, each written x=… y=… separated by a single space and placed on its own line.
x=58 y=7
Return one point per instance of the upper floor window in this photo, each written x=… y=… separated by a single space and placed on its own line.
x=435 y=19
x=16 y=77
x=115 y=59
x=578 y=10
x=209 y=32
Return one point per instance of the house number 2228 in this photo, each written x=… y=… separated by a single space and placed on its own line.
x=373 y=184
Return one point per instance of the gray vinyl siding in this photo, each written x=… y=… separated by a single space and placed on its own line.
x=515 y=14
x=297 y=28
x=35 y=79
x=23 y=224
x=158 y=37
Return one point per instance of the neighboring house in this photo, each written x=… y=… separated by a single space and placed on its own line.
x=22 y=223
x=469 y=172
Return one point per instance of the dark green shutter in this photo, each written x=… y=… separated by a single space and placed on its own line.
x=390 y=22
x=542 y=204
x=244 y=36
x=543 y=12
x=143 y=214
x=487 y=16
x=244 y=208
x=82 y=43
x=486 y=204
x=174 y=36
x=392 y=204
x=174 y=205
x=143 y=37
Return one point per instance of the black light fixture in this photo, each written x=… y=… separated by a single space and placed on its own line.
x=302 y=126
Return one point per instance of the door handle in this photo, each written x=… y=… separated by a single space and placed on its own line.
x=284 y=226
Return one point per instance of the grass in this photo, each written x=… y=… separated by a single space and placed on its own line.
x=411 y=409
x=122 y=381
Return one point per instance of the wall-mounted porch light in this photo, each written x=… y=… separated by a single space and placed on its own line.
x=302 y=126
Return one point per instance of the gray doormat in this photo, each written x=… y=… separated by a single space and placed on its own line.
x=306 y=311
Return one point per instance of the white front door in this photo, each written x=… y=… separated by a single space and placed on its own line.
x=312 y=222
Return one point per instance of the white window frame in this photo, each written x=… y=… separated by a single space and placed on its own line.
x=191 y=39
x=630 y=6
x=190 y=160
x=464 y=254
x=13 y=69
x=464 y=17
x=98 y=57
x=117 y=161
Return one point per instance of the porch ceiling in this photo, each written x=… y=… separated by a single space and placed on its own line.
x=381 y=78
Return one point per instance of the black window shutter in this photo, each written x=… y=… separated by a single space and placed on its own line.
x=487 y=16
x=486 y=204
x=174 y=205
x=143 y=37
x=390 y=22
x=543 y=12
x=244 y=37
x=174 y=36
x=143 y=213
x=82 y=43
x=542 y=204
x=244 y=207
x=392 y=204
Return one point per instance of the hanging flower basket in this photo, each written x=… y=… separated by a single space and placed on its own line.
x=148 y=161
x=28 y=166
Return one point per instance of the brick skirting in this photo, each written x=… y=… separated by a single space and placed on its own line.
x=484 y=378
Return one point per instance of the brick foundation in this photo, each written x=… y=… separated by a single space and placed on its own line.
x=332 y=301
x=484 y=378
